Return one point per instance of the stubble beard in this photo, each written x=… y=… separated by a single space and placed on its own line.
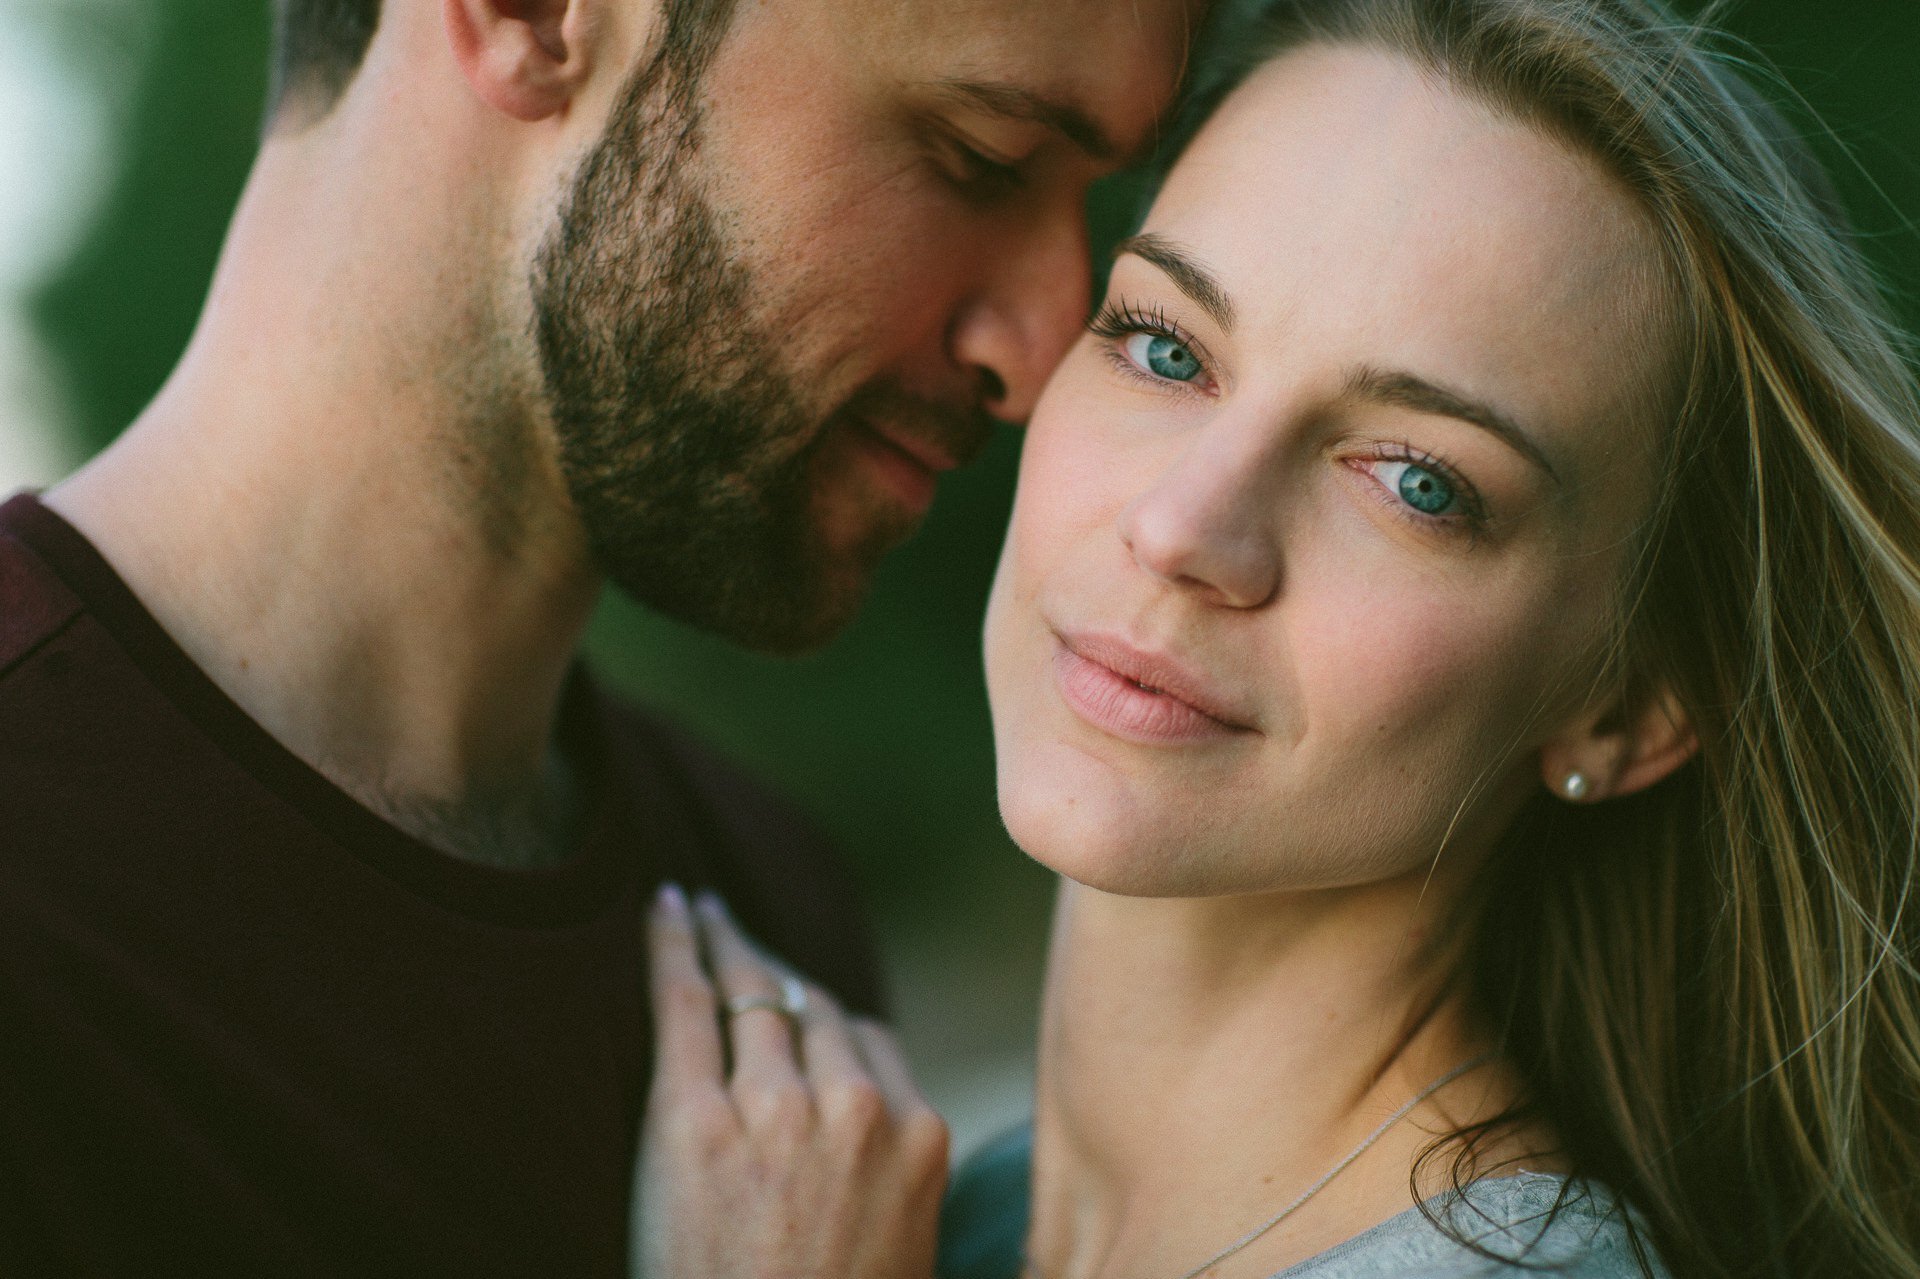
x=685 y=445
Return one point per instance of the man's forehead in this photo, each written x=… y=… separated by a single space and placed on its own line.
x=1098 y=71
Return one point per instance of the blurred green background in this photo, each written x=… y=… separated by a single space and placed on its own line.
x=884 y=734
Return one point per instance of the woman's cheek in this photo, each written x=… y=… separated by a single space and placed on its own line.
x=1061 y=476
x=1065 y=515
x=1390 y=652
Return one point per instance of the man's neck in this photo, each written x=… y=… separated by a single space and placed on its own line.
x=519 y=830
x=315 y=512
x=358 y=617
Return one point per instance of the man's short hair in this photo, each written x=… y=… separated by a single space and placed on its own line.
x=319 y=44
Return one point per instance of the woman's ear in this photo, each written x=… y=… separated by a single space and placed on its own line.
x=525 y=58
x=1620 y=749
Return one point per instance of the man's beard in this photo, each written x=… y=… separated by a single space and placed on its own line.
x=687 y=449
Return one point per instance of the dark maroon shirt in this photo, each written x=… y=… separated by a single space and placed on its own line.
x=248 y=1027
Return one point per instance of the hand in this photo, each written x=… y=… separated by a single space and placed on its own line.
x=813 y=1156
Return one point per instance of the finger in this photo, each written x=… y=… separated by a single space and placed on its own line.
x=888 y=1065
x=828 y=1051
x=688 y=1046
x=762 y=1038
x=740 y=943
x=829 y=1057
x=924 y=1141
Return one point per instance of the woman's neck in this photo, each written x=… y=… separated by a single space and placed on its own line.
x=1204 y=1061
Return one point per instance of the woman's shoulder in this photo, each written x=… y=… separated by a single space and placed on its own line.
x=1527 y=1223
x=983 y=1223
x=1502 y=1227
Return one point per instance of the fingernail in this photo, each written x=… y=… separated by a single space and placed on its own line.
x=672 y=900
x=709 y=903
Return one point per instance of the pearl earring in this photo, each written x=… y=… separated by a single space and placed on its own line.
x=1574 y=785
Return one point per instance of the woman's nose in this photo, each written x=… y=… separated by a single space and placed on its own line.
x=1209 y=524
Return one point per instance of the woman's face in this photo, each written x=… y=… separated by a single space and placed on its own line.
x=1319 y=528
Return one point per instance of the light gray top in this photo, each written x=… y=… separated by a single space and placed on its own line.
x=1533 y=1223
x=1511 y=1217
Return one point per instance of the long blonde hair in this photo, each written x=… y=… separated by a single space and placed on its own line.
x=1710 y=988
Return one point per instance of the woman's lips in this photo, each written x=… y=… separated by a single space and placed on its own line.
x=1139 y=696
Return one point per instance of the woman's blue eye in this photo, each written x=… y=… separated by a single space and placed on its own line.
x=1163 y=356
x=1425 y=491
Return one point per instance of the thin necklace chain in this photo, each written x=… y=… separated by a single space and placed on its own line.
x=1030 y=1271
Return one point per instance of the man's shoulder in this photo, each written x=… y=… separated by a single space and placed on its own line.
x=35 y=605
x=772 y=860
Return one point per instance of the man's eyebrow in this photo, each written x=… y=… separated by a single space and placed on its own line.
x=1017 y=102
x=1186 y=271
x=1385 y=386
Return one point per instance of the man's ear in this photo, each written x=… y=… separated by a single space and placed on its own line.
x=1619 y=749
x=525 y=58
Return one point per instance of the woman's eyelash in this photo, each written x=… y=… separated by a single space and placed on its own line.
x=1117 y=321
x=1473 y=509
x=1122 y=319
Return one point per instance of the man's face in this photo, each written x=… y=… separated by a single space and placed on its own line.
x=780 y=299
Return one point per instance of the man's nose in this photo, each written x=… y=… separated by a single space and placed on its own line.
x=1032 y=299
x=1210 y=523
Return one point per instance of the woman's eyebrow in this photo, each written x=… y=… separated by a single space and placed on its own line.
x=1385 y=386
x=1380 y=386
x=1187 y=272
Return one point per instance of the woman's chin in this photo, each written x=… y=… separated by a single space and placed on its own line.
x=1060 y=831
x=1107 y=849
